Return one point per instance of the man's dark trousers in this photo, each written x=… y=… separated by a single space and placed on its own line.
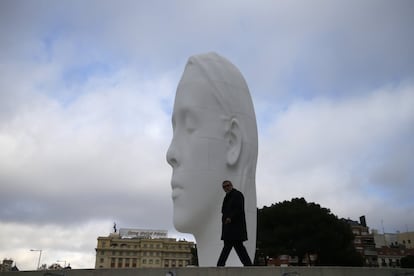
x=240 y=250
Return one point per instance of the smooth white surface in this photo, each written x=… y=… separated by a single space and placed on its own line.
x=214 y=139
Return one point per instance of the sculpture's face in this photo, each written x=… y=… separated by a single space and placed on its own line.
x=197 y=154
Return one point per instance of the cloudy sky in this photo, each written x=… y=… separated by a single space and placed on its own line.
x=86 y=94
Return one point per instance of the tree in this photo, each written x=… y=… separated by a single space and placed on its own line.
x=194 y=255
x=407 y=261
x=299 y=228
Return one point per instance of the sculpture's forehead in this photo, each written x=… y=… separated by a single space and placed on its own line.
x=196 y=93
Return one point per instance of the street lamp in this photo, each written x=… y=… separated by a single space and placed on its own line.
x=40 y=256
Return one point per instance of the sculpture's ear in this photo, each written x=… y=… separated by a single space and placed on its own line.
x=234 y=140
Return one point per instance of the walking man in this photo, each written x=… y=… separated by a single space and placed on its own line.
x=233 y=231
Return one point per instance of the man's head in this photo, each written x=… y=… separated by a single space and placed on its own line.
x=227 y=186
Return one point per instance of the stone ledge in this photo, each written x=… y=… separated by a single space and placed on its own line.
x=225 y=271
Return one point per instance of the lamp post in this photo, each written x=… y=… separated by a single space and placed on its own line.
x=40 y=256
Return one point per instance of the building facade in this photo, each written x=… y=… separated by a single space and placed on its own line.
x=391 y=256
x=399 y=239
x=406 y=239
x=133 y=248
x=364 y=241
x=7 y=265
x=386 y=239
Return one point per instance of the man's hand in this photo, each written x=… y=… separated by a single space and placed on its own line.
x=227 y=221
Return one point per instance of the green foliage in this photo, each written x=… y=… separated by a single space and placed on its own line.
x=194 y=256
x=407 y=261
x=297 y=227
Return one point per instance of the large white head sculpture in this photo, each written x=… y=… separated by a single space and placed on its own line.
x=214 y=139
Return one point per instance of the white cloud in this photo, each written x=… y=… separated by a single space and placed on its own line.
x=107 y=140
x=75 y=244
x=335 y=152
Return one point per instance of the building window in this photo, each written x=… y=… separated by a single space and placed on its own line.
x=101 y=260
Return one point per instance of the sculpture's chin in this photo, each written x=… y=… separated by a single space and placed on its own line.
x=182 y=221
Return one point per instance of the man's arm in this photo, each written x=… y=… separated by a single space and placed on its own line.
x=236 y=207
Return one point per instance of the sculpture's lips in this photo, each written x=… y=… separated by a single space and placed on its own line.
x=176 y=190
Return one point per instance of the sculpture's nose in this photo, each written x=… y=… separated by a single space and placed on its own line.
x=172 y=158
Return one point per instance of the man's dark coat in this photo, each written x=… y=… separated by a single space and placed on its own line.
x=233 y=208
